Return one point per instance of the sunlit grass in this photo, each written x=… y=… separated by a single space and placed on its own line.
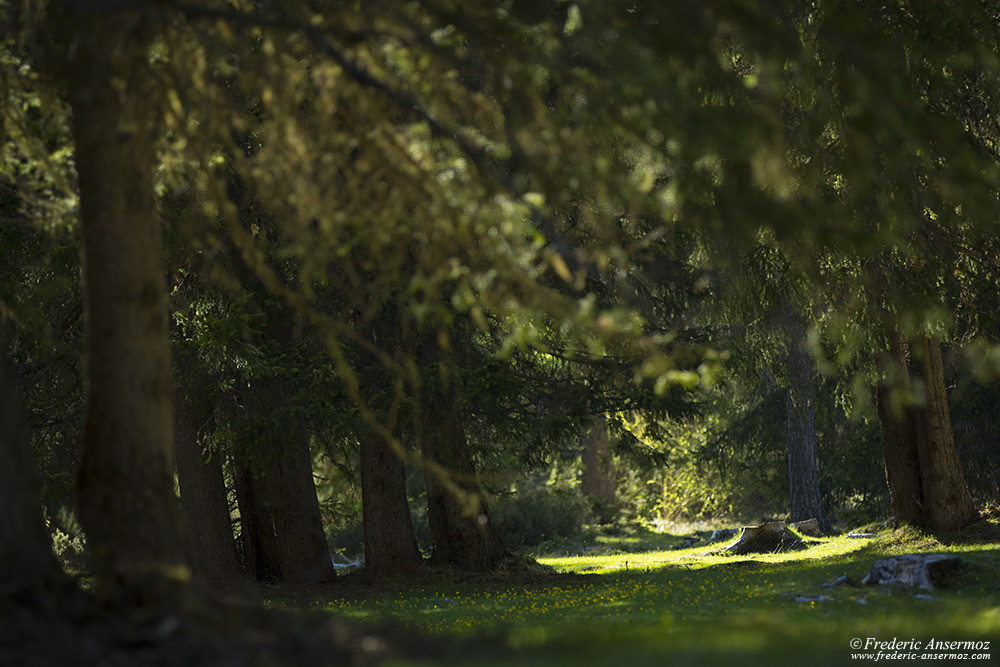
x=696 y=603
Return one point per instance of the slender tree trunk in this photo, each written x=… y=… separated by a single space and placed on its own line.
x=127 y=503
x=462 y=529
x=303 y=555
x=803 y=474
x=204 y=499
x=390 y=545
x=947 y=503
x=27 y=565
x=597 y=479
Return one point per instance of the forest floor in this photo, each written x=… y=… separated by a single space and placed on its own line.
x=629 y=600
x=640 y=598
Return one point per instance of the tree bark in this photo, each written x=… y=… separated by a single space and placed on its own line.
x=803 y=473
x=597 y=479
x=899 y=437
x=923 y=471
x=204 y=499
x=27 y=564
x=303 y=555
x=947 y=503
x=260 y=545
x=127 y=503
x=390 y=545
x=462 y=529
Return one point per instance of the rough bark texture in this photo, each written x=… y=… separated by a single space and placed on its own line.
x=303 y=555
x=27 y=564
x=899 y=445
x=127 y=504
x=462 y=529
x=204 y=499
x=922 y=467
x=597 y=480
x=803 y=474
x=390 y=545
x=947 y=503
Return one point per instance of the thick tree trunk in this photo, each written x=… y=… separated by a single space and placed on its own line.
x=803 y=474
x=303 y=555
x=947 y=503
x=390 y=545
x=27 y=565
x=260 y=545
x=899 y=437
x=127 y=503
x=597 y=479
x=462 y=529
x=922 y=467
x=204 y=499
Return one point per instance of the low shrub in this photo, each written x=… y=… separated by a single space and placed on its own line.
x=530 y=517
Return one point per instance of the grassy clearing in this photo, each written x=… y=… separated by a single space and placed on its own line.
x=692 y=606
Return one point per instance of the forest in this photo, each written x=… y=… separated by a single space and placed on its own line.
x=512 y=332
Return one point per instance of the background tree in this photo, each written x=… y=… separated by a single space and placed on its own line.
x=496 y=173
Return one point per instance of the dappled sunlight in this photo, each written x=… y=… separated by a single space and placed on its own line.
x=690 y=600
x=700 y=556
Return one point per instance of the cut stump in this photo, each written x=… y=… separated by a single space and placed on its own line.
x=764 y=538
x=808 y=527
x=913 y=570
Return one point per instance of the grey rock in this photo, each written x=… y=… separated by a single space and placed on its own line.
x=842 y=580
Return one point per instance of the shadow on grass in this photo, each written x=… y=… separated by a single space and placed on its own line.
x=682 y=606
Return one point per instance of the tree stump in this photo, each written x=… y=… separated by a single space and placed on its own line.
x=808 y=527
x=913 y=570
x=767 y=537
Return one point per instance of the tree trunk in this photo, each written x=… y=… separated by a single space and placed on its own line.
x=303 y=555
x=803 y=475
x=127 y=503
x=260 y=545
x=947 y=503
x=27 y=565
x=204 y=499
x=899 y=439
x=390 y=545
x=462 y=529
x=922 y=467
x=597 y=479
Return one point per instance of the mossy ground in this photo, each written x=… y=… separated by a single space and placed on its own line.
x=685 y=605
